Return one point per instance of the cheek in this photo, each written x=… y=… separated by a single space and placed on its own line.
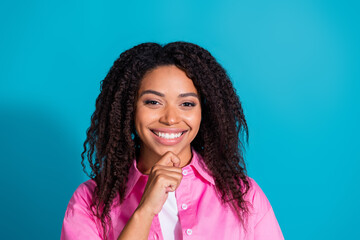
x=138 y=120
x=194 y=121
x=143 y=117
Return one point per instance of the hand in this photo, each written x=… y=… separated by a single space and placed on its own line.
x=165 y=176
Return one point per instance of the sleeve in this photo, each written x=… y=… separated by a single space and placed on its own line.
x=266 y=227
x=79 y=222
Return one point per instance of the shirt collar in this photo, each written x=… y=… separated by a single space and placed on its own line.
x=133 y=178
x=196 y=163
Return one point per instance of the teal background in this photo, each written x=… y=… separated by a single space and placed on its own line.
x=295 y=65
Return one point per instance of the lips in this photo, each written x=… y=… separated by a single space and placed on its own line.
x=168 y=136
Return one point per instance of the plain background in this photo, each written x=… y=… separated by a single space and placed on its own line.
x=295 y=65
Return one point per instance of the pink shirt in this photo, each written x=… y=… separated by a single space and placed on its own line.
x=201 y=213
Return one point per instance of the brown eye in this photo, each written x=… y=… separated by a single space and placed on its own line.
x=151 y=102
x=188 y=104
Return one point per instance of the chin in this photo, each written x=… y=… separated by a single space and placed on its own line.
x=162 y=149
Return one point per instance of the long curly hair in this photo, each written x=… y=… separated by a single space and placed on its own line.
x=112 y=145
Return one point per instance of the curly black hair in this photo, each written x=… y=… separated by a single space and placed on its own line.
x=111 y=144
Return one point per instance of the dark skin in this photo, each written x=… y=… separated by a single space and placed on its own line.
x=165 y=176
x=167 y=119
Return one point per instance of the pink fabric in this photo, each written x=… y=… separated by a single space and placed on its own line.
x=201 y=213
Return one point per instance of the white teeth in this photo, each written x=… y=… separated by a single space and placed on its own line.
x=168 y=135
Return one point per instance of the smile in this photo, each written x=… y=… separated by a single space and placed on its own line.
x=168 y=135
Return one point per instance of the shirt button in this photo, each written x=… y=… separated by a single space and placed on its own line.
x=184 y=206
x=184 y=172
x=188 y=232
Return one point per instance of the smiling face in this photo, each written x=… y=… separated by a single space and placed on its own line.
x=168 y=115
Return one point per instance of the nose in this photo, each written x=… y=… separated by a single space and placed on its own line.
x=170 y=116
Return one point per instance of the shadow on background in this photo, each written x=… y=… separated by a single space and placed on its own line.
x=38 y=162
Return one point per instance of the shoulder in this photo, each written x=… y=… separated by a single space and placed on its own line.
x=85 y=189
x=259 y=204
x=79 y=221
x=262 y=217
x=83 y=195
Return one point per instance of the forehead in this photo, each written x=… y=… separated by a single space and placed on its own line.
x=167 y=79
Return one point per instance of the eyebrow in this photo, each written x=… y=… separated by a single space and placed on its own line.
x=189 y=94
x=182 y=95
x=152 y=92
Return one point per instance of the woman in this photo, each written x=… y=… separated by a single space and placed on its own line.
x=165 y=154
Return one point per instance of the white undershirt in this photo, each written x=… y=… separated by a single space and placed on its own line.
x=169 y=219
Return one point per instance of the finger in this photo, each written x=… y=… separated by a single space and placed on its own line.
x=171 y=188
x=169 y=183
x=163 y=173
x=157 y=168
x=169 y=159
